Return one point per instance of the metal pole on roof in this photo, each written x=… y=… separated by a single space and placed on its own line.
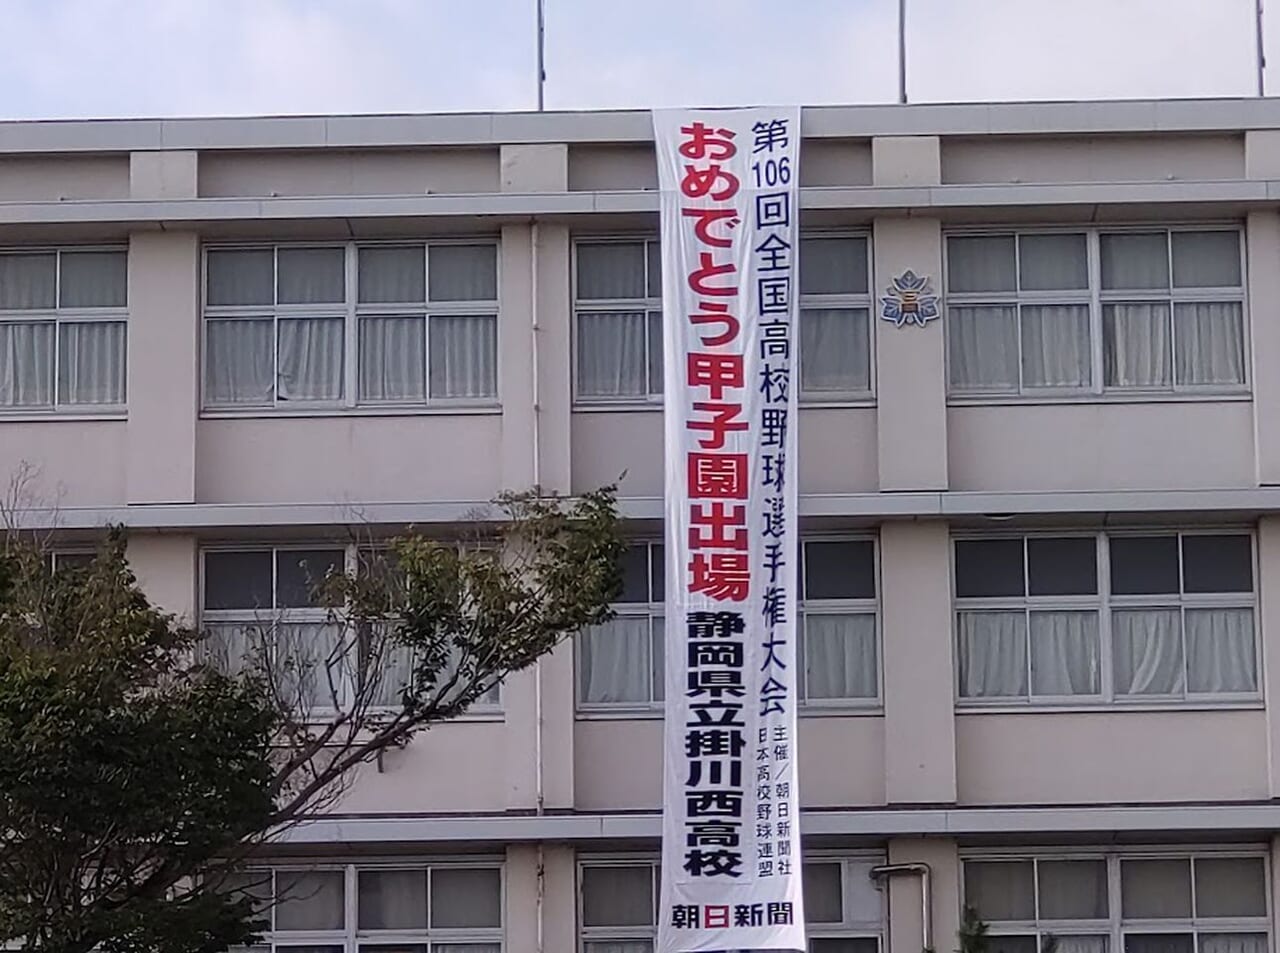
x=542 y=72
x=902 y=49
x=1258 y=48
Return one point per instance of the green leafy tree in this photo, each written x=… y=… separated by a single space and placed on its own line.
x=142 y=763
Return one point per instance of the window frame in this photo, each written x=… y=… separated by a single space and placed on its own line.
x=847 y=928
x=1104 y=602
x=351 y=311
x=1096 y=298
x=650 y=305
x=351 y=938
x=1116 y=926
x=806 y=707
x=60 y=316
x=477 y=711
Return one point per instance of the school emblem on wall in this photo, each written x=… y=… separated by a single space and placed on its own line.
x=910 y=300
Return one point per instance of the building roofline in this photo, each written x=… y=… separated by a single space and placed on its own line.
x=1136 y=116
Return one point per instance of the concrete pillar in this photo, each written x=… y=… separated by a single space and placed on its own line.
x=533 y=346
x=164 y=366
x=919 y=693
x=1263 y=240
x=1268 y=624
x=549 y=895
x=905 y=905
x=167 y=570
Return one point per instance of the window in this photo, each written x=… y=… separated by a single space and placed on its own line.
x=63 y=329
x=396 y=909
x=347 y=325
x=1134 y=902
x=619 y=901
x=270 y=598
x=620 y=663
x=1112 y=617
x=618 y=306
x=1088 y=312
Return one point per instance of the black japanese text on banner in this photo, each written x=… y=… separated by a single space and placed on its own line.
x=731 y=822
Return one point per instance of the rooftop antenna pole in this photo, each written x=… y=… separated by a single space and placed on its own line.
x=542 y=72
x=902 y=49
x=1261 y=54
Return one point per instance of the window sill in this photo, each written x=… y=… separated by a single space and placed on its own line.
x=43 y=416
x=1181 y=397
x=401 y=410
x=1165 y=705
x=635 y=713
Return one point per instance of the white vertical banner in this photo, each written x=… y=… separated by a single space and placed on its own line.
x=731 y=820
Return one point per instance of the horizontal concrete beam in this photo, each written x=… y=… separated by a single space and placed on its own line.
x=1245 y=503
x=1104 y=820
x=191 y=213
x=491 y=129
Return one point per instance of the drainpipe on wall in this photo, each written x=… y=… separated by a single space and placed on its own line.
x=885 y=871
x=539 y=794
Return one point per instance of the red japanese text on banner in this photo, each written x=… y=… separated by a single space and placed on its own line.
x=731 y=821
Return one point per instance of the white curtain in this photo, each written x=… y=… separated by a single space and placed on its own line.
x=392 y=670
x=464 y=356
x=91 y=362
x=232 y=647
x=1136 y=345
x=1159 y=943
x=1080 y=944
x=462 y=272
x=464 y=948
x=94 y=279
x=1147 y=651
x=313 y=658
x=993 y=654
x=611 y=270
x=655 y=352
x=396 y=274
x=310 y=361
x=1055 y=345
x=613 y=661
x=984 y=347
x=392 y=899
x=240 y=361
x=840 y=655
x=1220 y=653
x=611 y=355
x=26 y=364
x=1210 y=342
x=393 y=354
x=1233 y=943
x=617 y=946
x=834 y=350
x=28 y=282
x=1065 y=655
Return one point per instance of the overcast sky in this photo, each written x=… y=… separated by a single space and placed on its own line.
x=79 y=58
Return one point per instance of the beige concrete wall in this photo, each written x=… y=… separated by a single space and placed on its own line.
x=1101 y=446
x=164 y=175
x=618 y=763
x=452 y=768
x=558 y=909
x=67 y=462
x=338 y=459
x=919 y=708
x=397 y=172
x=50 y=178
x=1263 y=250
x=1092 y=159
x=1111 y=757
x=837 y=450
x=164 y=363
